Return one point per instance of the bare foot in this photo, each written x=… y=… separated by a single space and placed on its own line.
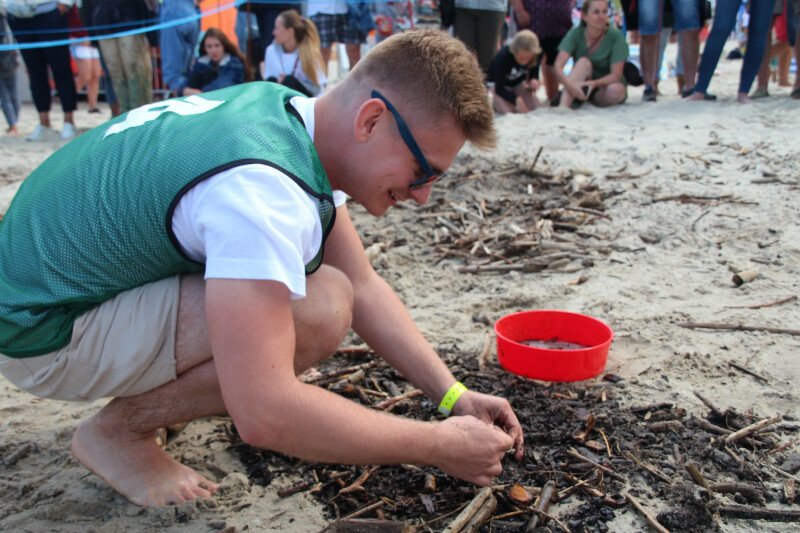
x=136 y=467
x=13 y=131
x=696 y=97
x=742 y=98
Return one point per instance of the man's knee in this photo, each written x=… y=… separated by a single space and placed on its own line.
x=326 y=313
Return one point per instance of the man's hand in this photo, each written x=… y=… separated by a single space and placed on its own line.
x=496 y=411
x=63 y=8
x=471 y=449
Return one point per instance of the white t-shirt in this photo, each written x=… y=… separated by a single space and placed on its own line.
x=337 y=7
x=253 y=222
x=279 y=63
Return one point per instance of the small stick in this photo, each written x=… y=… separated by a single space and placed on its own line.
x=647 y=516
x=738 y=327
x=542 y=505
x=390 y=402
x=769 y=304
x=354 y=350
x=782 y=472
x=704 y=213
x=710 y=405
x=294 y=489
x=479 y=510
x=746 y=371
x=556 y=520
x=712 y=428
x=752 y=493
x=364 y=510
x=20 y=453
x=535 y=159
x=586 y=210
x=483 y=360
x=574 y=453
x=650 y=468
x=696 y=475
x=341 y=371
x=605 y=439
x=358 y=484
x=759 y=513
x=752 y=428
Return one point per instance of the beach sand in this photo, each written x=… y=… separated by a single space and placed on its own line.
x=671 y=261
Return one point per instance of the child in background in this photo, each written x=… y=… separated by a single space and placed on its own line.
x=515 y=72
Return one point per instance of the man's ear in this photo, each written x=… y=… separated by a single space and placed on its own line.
x=367 y=118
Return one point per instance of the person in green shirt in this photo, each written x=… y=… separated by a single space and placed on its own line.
x=599 y=53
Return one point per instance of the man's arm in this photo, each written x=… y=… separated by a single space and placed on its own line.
x=381 y=319
x=251 y=330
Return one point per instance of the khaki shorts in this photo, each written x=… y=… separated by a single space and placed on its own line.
x=125 y=346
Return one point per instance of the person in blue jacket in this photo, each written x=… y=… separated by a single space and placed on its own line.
x=221 y=65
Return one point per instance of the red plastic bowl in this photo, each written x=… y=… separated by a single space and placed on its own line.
x=553 y=364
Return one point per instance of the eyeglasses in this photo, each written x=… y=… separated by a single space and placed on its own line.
x=428 y=174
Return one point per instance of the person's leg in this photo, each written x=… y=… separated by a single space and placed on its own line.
x=117 y=443
x=796 y=86
x=135 y=52
x=724 y=20
x=784 y=53
x=758 y=37
x=108 y=86
x=7 y=102
x=687 y=25
x=650 y=18
x=110 y=48
x=528 y=96
x=348 y=33
x=465 y=28
x=762 y=86
x=326 y=26
x=36 y=66
x=489 y=25
x=581 y=71
x=612 y=94
x=93 y=85
x=500 y=105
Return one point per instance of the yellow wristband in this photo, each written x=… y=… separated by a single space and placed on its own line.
x=451 y=397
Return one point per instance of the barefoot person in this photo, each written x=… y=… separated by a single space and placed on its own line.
x=187 y=275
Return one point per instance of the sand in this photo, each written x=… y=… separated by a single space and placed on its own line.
x=672 y=262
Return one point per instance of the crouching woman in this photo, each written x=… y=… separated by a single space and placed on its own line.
x=599 y=53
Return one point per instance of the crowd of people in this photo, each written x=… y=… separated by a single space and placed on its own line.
x=185 y=276
x=583 y=60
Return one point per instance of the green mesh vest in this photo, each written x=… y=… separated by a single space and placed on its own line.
x=95 y=219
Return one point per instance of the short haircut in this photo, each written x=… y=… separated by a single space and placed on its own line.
x=430 y=75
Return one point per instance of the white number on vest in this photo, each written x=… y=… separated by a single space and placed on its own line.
x=192 y=105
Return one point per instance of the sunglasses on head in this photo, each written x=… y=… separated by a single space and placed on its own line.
x=428 y=174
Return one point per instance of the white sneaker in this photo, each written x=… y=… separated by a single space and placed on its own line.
x=68 y=131
x=38 y=132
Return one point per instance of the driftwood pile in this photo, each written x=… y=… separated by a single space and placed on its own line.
x=588 y=458
x=515 y=217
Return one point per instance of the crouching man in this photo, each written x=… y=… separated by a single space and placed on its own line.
x=193 y=256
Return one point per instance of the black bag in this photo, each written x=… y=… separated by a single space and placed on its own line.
x=447 y=13
x=632 y=75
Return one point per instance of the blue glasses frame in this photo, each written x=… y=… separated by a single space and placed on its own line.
x=428 y=174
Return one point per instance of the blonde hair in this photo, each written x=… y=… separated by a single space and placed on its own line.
x=527 y=41
x=308 y=43
x=431 y=74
